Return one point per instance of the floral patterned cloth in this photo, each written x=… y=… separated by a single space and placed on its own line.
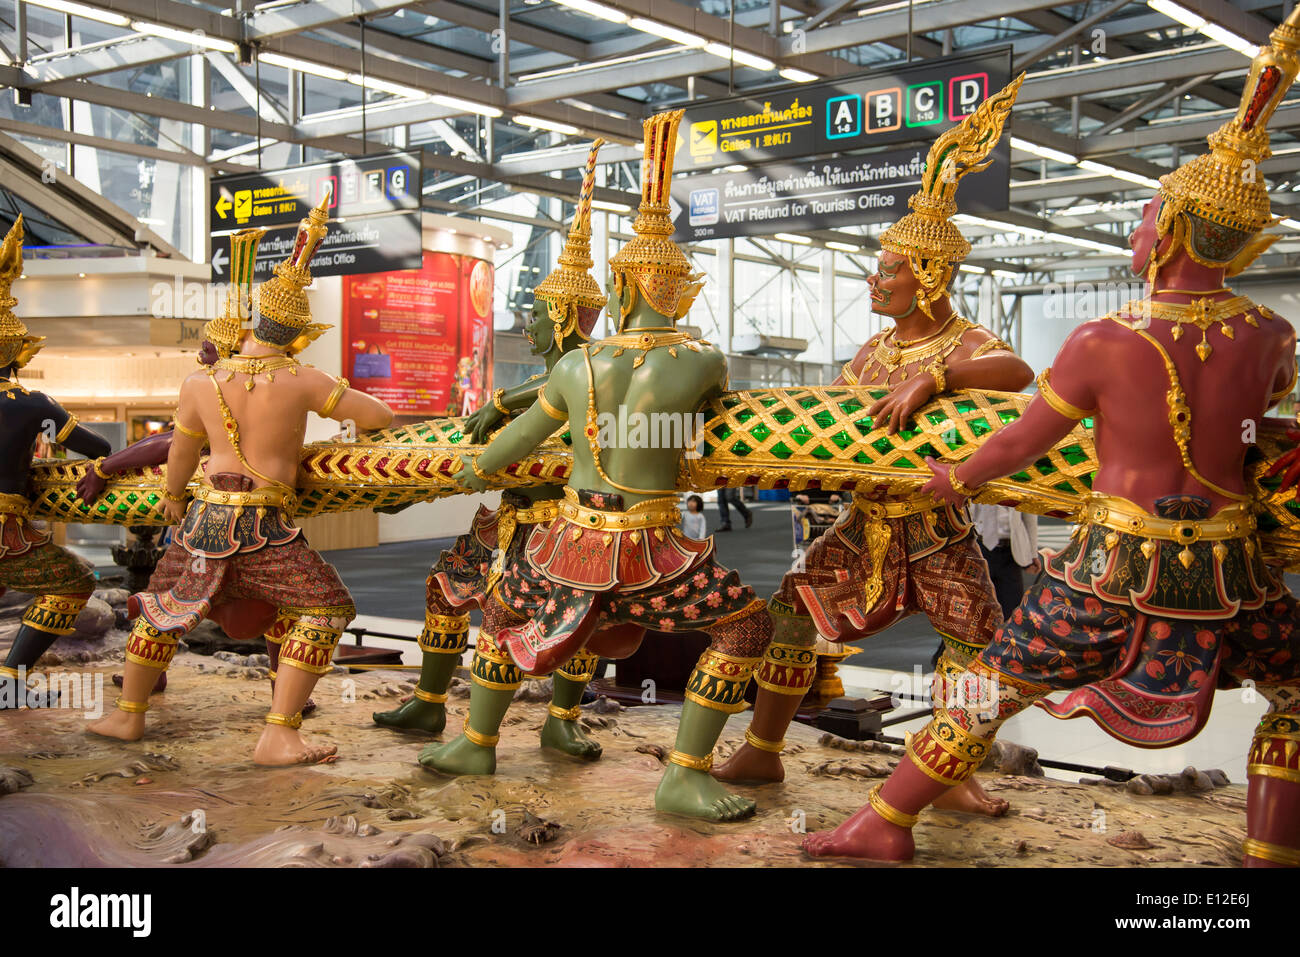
x=674 y=584
x=1147 y=680
x=291 y=577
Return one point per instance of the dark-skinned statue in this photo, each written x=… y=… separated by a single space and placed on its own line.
x=566 y=305
x=904 y=554
x=29 y=562
x=614 y=558
x=1161 y=596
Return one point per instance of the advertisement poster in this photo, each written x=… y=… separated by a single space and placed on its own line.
x=421 y=339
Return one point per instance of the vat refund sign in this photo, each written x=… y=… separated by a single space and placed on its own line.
x=822 y=194
x=895 y=105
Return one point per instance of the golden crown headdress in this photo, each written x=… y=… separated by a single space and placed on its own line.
x=16 y=346
x=657 y=265
x=926 y=236
x=571 y=283
x=1216 y=203
x=227 y=330
x=285 y=313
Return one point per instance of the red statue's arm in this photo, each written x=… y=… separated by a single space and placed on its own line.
x=1040 y=427
x=146 y=452
x=998 y=371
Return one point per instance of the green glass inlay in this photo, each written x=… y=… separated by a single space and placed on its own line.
x=883 y=445
x=740 y=448
x=842 y=439
x=851 y=406
x=1008 y=415
x=1063 y=487
x=1020 y=477
x=965 y=406
x=781 y=450
x=925 y=448
x=802 y=434
x=1045 y=466
x=782 y=416
x=824 y=419
x=980 y=426
x=760 y=432
x=1074 y=454
x=905 y=462
x=821 y=453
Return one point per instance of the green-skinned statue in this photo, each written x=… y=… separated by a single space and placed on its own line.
x=614 y=558
x=566 y=306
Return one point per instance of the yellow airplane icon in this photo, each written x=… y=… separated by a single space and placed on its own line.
x=704 y=138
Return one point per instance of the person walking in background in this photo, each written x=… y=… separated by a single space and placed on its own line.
x=1009 y=541
x=732 y=496
x=693 y=523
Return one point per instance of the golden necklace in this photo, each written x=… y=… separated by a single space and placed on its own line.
x=9 y=387
x=892 y=355
x=645 y=340
x=1202 y=313
x=256 y=365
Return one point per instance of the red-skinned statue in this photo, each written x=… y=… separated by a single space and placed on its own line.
x=1161 y=595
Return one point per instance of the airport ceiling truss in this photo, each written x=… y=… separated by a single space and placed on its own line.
x=504 y=97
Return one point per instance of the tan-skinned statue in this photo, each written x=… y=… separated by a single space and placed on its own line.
x=906 y=554
x=614 y=556
x=241 y=544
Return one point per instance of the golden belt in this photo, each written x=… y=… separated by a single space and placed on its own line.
x=1111 y=511
x=652 y=513
x=877 y=511
x=11 y=504
x=269 y=497
x=534 y=514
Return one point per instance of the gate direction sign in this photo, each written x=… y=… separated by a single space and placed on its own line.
x=374 y=213
x=823 y=194
x=359 y=186
x=910 y=102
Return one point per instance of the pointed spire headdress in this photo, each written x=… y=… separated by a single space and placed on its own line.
x=227 y=330
x=658 y=268
x=1216 y=203
x=284 y=319
x=926 y=236
x=571 y=283
x=16 y=346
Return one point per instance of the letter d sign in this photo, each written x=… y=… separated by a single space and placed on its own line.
x=965 y=94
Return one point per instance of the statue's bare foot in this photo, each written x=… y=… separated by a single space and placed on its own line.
x=280 y=746
x=866 y=835
x=696 y=794
x=309 y=707
x=568 y=736
x=751 y=766
x=461 y=756
x=973 y=799
x=159 y=686
x=125 y=725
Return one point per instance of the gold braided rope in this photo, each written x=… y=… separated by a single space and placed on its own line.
x=793 y=438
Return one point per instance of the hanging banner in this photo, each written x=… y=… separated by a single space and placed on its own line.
x=898 y=104
x=421 y=339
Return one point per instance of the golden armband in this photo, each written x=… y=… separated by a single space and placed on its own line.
x=332 y=402
x=1056 y=402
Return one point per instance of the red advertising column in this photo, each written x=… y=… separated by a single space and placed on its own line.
x=421 y=339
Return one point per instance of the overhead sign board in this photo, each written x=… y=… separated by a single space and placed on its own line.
x=374 y=211
x=898 y=104
x=822 y=194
